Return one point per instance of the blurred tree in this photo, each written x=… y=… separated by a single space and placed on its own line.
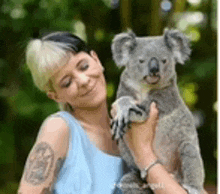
x=126 y=14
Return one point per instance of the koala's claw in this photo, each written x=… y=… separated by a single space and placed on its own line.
x=127 y=111
x=136 y=111
x=118 y=128
x=113 y=129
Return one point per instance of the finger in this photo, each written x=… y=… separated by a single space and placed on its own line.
x=154 y=113
x=172 y=175
x=113 y=111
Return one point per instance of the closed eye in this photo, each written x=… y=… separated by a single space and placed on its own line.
x=84 y=66
x=67 y=84
x=141 y=60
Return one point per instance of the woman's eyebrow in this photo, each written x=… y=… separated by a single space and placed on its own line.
x=63 y=78
x=80 y=61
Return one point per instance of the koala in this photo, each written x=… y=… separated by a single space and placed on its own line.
x=150 y=76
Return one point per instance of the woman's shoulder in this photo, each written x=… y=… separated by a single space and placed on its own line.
x=54 y=125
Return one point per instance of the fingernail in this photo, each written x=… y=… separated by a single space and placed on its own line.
x=154 y=104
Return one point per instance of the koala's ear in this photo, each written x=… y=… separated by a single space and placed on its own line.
x=122 y=45
x=178 y=43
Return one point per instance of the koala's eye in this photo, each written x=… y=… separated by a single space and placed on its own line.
x=164 y=61
x=141 y=60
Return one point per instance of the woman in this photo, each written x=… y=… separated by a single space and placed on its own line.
x=74 y=151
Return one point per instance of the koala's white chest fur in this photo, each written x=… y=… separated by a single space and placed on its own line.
x=141 y=90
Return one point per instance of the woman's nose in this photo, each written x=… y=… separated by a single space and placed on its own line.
x=82 y=79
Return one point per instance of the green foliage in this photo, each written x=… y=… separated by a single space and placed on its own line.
x=7 y=142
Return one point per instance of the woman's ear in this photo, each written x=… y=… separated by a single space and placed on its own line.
x=96 y=58
x=93 y=54
x=53 y=96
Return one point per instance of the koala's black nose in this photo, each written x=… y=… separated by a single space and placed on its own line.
x=153 y=66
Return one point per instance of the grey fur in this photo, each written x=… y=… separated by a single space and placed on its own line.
x=150 y=75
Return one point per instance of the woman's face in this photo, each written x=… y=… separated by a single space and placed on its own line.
x=80 y=82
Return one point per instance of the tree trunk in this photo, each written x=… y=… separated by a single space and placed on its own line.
x=125 y=9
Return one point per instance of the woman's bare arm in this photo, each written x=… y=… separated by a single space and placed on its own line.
x=160 y=181
x=46 y=158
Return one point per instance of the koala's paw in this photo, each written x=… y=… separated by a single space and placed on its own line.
x=125 y=111
x=137 y=114
x=131 y=183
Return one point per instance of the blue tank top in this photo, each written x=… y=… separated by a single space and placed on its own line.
x=86 y=170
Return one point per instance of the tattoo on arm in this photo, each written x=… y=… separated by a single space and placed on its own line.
x=46 y=191
x=57 y=169
x=59 y=165
x=39 y=164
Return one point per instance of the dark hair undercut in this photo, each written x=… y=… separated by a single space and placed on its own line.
x=73 y=42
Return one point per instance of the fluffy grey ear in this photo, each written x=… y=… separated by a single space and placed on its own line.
x=178 y=43
x=122 y=45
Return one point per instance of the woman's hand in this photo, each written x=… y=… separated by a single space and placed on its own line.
x=140 y=138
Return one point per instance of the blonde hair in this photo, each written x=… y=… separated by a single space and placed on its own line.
x=43 y=59
x=45 y=56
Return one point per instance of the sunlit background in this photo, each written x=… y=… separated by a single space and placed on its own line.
x=23 y=107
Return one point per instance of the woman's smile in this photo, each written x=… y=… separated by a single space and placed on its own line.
x=89 y=90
